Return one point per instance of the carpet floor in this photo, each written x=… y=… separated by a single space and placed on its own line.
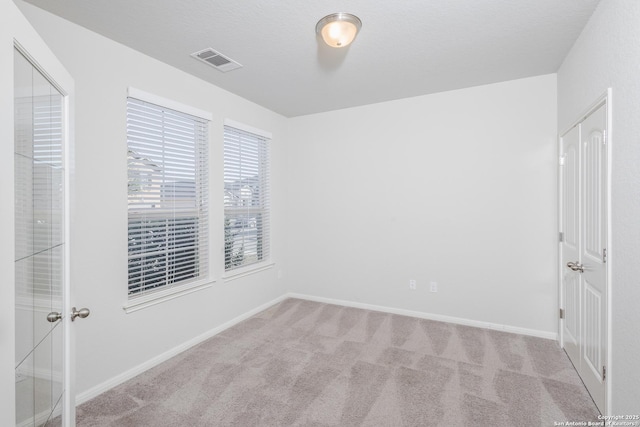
x=303 y=363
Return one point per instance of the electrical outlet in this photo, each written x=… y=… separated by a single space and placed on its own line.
x=434 y=287
x=412 y=284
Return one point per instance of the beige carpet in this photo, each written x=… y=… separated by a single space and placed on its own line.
x=304 y=363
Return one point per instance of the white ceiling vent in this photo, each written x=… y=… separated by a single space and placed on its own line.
x=216 y=60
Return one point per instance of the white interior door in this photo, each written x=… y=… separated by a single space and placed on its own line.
x=584 y=249
x=593 y=253
x=39 y=197
x=36 y=104
x=42 y=111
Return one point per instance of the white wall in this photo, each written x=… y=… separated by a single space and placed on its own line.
x=457 y=187
x=607 y=54
x=111 y=342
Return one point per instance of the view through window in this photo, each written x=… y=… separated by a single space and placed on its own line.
x=246 y=198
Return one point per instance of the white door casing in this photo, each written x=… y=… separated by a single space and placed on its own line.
x=584 y=225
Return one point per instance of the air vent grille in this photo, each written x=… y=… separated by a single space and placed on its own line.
x=216 y=60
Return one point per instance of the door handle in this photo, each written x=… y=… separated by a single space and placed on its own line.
x=576 y=266
x=82 y=313
x=54 y=316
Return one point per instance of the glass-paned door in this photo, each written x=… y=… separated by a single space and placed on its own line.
x=39 y=246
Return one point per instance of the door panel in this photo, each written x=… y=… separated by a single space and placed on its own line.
x=571 y=193
x=592 y=256
x=570 y=226
x=572 y=313
x=592 y=143
x=592 y=348
x=584 y=224
x=39 y=245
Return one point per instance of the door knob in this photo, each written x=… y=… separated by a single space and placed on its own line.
x=82 y=313
x=54 y=316
x=576 y=266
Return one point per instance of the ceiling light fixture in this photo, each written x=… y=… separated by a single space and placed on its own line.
x=338 y=29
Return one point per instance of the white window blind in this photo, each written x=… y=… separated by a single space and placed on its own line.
x=246 y=198
x=168 y=202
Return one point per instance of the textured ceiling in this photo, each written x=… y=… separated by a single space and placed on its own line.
x=405 y=48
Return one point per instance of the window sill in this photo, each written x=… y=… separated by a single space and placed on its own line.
x=247 y=271
x=136 y=303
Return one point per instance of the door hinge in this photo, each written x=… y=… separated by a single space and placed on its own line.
x=604 y=255
x=562 y=313
x=561 y=160
x=604 y=136
x=604 y=373
x=561 y=237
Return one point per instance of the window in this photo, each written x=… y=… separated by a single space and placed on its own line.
x=167 y=188
x=246 y=198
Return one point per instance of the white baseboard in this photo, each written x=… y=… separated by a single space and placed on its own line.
x=430 y=316
x=137 y=370
x=39 y=373
x=38 y=419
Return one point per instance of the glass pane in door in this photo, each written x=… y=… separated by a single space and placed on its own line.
x=39 y=245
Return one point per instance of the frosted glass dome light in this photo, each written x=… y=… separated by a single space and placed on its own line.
x=338 y=29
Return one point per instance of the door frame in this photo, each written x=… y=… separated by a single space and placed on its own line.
x=17 y=32
x=606 y=100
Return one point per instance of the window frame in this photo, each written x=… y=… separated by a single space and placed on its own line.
x=137 y=301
